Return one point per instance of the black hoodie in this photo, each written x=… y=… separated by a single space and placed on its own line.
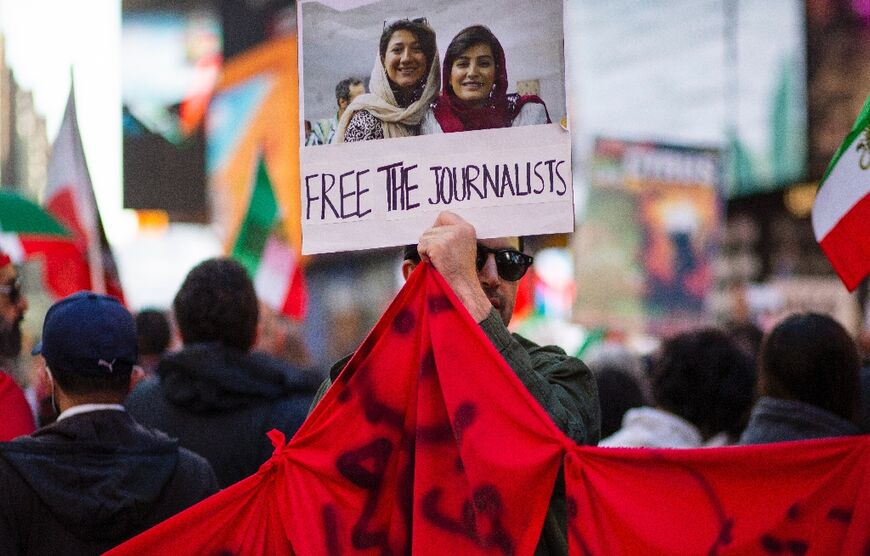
x=90 y=481
x=220 y=402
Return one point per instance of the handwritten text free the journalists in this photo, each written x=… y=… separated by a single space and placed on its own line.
x=347 y=195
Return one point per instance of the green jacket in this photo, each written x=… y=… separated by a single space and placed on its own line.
x=565 y=388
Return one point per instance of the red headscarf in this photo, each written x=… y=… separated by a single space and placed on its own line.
x=455 y=115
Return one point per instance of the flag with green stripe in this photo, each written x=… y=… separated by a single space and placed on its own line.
x=262 y=247
x=841 y=212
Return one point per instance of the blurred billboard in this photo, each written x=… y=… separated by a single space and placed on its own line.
x=838 y=75
x=718 y=73
x=646 y=249
x=170 y=64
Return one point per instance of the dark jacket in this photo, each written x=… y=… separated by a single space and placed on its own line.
x=776 y=420
x=220 y=402
x=91 y=481
x=565 y=388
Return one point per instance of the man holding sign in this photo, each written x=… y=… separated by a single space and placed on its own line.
x=487 y=287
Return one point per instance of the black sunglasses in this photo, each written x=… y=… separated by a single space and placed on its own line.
x=12 y=290
x=510 y=263
x=418 y=20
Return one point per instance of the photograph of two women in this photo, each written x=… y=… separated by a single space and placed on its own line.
x=388 y=69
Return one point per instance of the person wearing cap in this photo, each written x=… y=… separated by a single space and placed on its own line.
x=217 y=395
x=487 y=287
x=16 y=417
x=95 y=477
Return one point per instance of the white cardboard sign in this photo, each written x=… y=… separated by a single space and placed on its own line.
x=381 y=193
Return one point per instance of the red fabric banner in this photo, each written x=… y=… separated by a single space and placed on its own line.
x=428 y=443
x=791 y=498
x=427 y=425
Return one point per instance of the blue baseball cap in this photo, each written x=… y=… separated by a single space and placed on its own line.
x=89 y=333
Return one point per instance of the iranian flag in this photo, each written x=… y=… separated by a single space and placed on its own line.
x=28 y=233
x=841 y=213
x=263 y=249
x=69 y=196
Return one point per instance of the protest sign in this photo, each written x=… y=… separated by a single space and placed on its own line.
x=377 y=173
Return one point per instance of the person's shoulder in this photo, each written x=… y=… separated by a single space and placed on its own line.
x=336 y=367
x=295 y=379
x=363 y=126
x=532 y=347
x=190 y=462
x=430 y=124
x=553 y=356
x=144 y=393
x=362 y=116
x=193 y=481
x=9 y=388
x=16 y=417
x=532 y=113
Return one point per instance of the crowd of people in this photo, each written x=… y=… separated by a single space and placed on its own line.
x=405 y=100
x=142 y=426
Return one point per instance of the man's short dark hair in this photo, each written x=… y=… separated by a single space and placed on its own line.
x=409 y=252
x=342 y=90
x=79 y=384
x=152 y=331
x=217 y=303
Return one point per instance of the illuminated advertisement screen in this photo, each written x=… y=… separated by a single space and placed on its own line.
x=170 y=62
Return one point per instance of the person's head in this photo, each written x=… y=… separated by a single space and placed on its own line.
x=347 y=90
x=13 y=305
x=705 y=378
x=153 y=331
x=747 y=335
x=90 y=348
x=474 y=66
x=618 y=391
x=217 y=303
x=500 y=265
x=613 y=356
x=810 y=357
x=407 y=48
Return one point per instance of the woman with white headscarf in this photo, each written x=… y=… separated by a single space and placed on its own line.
x=404 y=81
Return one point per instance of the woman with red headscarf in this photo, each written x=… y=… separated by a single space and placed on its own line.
x=474 y=92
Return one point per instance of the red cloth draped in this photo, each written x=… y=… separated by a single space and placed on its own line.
x=810 y=497
x=454 y=115
x=426 y=425
x=427 y=443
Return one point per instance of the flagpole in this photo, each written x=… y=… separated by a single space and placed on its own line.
x=95 y=249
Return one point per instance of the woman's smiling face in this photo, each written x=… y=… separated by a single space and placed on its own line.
x=473 y=74
x=404 y=59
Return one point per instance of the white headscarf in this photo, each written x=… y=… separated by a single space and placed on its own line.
x=381 y=102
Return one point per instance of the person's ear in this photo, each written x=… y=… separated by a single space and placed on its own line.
x=408 y=267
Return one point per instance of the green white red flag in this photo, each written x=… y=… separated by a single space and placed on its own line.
x=841 y=213
x=69 y=196
x=262 y=247
x=28 y=233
